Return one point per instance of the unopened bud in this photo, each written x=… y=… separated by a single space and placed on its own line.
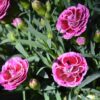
x=50 y=35
x=43 y=22
x=38 y=7
x=24 y=4
x=48 y=6
x=18 y=23
x=97 y=36
x=34 y=84
x=47 y=15
x=80 y=40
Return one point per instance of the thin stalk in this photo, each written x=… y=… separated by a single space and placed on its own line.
x=24 y=95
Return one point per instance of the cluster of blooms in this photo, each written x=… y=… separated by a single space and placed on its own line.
x=69 y=68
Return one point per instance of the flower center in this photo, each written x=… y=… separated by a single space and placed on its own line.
x=67 y=69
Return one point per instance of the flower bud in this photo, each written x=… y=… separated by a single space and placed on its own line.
x=50 y=35
x=34 y=84
x=80 y=40
x=42 y=22
x=24 y=4
x=47 y=15
x=11 y=36
x=48 y=6
x=18 y=23
x=97 y=36
x=38 y=7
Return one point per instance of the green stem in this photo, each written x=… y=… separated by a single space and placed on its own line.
x=24 y=96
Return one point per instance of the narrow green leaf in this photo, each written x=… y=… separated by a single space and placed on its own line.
x=33 y=58
x=27 y=42
x=69 y=96
x=46 y=96
x=58 y=96
x=36 y=22
x=49 y=43
x=92 y=45
x=90 y=90
x=75 y=97
x=83 y=97
x=90 y=3
x=20 y=48
x=48 y=57
x=49 y=88
x=4 y=41
x=89 y=79
x=36 y=33
x=61 y=41
x=48 y=27
x=42 y=68
x=44 y=59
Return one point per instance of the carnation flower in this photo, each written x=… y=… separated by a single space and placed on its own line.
x=4 y=5
x=69 y=69
x=13 y=73
x=72 y=21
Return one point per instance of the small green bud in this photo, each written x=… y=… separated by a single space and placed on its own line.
x=48 y=6
x=38 y=7
x=24 y=4
x=47 y=15
x=97 y=36
x=50 y=35
x=11 y=36
x=43 y=22
x=34 y=84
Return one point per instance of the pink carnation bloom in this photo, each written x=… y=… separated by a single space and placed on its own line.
x=69 y=69
x=72 y=21
x=80 y=40
x=17 y=22
x=4 y=5
x=13 y=73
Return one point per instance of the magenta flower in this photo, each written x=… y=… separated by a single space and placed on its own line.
x=69 y=69
x=17 y=22
x=80 y=40
x=13 y=73
x=72 y=21
x=4 y=5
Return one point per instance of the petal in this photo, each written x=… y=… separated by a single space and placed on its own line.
x=78 y=14
x=6 y=75
x=64 y=24
x=75 y=69
x=70 y=79
x=59 y=73
x=63 y=77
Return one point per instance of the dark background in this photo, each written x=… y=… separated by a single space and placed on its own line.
x=5 y=95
